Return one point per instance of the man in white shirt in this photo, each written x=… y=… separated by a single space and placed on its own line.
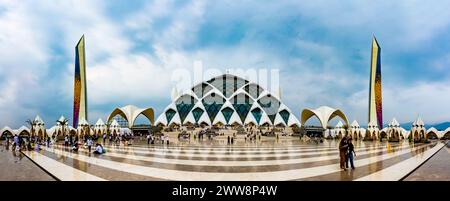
x=89 y=144
x=98 y=149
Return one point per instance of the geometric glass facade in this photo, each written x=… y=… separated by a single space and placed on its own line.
x=227 y=99
x=170 y=114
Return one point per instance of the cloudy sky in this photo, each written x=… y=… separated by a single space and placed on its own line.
x=322 y=49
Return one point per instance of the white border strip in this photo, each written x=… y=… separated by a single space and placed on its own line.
x=60 y=170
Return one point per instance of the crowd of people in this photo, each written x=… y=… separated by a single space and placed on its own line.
x=21 y=143
x=163 y=139
x=18 y=143
x=27 y=143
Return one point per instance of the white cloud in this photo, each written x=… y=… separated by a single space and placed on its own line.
x=38 y=37
x=126 y=79
x=181 y=22
x=23 y=61
x=409 y=23
x=30 y=31
x=426 y=99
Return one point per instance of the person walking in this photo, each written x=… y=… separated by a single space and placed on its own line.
x=48 y=141
x=104 y=138
x=89 y=144
x=351 y=153
x=343 y=148
x=66 y=141
x=16 y=142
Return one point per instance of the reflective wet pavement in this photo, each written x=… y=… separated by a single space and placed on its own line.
x=436 y=168
x=284 y=159
x=14 y=166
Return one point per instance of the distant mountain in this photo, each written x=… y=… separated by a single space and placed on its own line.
x=439 y=126
x=406 y=125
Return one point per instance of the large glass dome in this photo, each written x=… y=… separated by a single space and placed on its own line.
x=227 y=100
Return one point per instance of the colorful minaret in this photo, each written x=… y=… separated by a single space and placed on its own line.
x=375 y=99
x=80 y=105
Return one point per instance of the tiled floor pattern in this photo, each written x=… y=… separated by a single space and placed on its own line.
x=294 y=161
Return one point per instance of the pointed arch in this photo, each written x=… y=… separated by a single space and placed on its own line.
x=184 y=105
x=7 y=132
x=324 y=114
x=130 y=113
x=242 y=103
x=213 y=103
x=227 y=113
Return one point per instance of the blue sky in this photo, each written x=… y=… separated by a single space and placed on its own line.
x=322 y=49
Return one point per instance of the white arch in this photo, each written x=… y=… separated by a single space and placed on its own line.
x=235 y=118
x=219 y=118
x=445 y=132
x=241 y=91
x=23 y=128
x=175 y=119
x=264 y=119
x=131 y=112
x=100 y=126
x=324 y=114
x=6 y=128
x=114 y=127
x=162 y=119
x=204 y=118
x=250 y=119
x=439 y=134
x=189 y=119
x=279 y=120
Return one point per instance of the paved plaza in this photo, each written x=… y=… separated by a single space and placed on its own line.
x=286 y=159
x=435 y=169
x=15 y=166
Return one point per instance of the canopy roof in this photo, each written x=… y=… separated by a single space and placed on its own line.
x=324 y=114
x=38 y=120
x=100 y=122
x=131 y=112
x=418 y=122
x=394 y=123
x=355 y=124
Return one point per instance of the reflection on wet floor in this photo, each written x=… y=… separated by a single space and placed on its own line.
x=14 y=166
x=435 y=169
x=287 y=159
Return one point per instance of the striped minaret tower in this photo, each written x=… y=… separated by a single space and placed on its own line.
x=80 y=105
x=375 y=99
